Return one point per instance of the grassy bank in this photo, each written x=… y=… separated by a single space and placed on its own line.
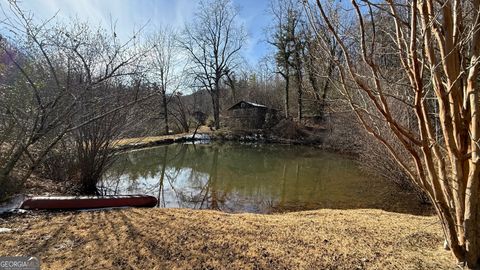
x=149 y=141
x=186 y=239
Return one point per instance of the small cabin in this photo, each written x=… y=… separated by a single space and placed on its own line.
x=249 y=115
x=200 y=117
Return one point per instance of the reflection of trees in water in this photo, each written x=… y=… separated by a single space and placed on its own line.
x=127 y=173
x=207 y=195
x=237 y=177
x=212 y=177
x=161 y=189
x=169 y=164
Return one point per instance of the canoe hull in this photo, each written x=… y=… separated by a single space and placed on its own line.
x=90 y=202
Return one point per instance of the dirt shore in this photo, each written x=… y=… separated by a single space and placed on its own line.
x=192 y=239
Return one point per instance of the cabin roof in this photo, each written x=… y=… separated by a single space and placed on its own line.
x=246 y=104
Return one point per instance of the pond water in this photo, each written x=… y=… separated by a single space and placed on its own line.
x=258 y=178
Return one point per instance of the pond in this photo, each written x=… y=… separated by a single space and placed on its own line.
x=257 y=178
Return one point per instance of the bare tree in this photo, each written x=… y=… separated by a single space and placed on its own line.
x=283 y=35
x=298 y=64
x=319 y=66
x=34 y=103
x=165 y=66
x=180 y=112
x=94 y=152
x=53 y=72
x=289 y=39
x=437 y=44
x=213 y=42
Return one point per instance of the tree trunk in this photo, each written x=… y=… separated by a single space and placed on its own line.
x=216 y=113
x=300 y=96
x=6 y=183
x=287 y=86
x=89 y=185
x=165 y=111
x=216 y=105
x=326 y=84
x=300 y=107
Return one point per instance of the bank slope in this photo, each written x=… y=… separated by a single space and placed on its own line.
x=186 y=239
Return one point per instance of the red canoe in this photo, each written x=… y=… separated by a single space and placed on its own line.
x=88 y=202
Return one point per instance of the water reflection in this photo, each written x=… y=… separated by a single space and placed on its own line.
x=249 y=178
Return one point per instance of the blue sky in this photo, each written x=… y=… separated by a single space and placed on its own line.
x=130 y=15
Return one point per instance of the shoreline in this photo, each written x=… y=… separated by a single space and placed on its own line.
x=220 y=136
x=206 y=135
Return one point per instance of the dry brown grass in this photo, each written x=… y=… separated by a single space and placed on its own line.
x=144 y=140
x=189 y=239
